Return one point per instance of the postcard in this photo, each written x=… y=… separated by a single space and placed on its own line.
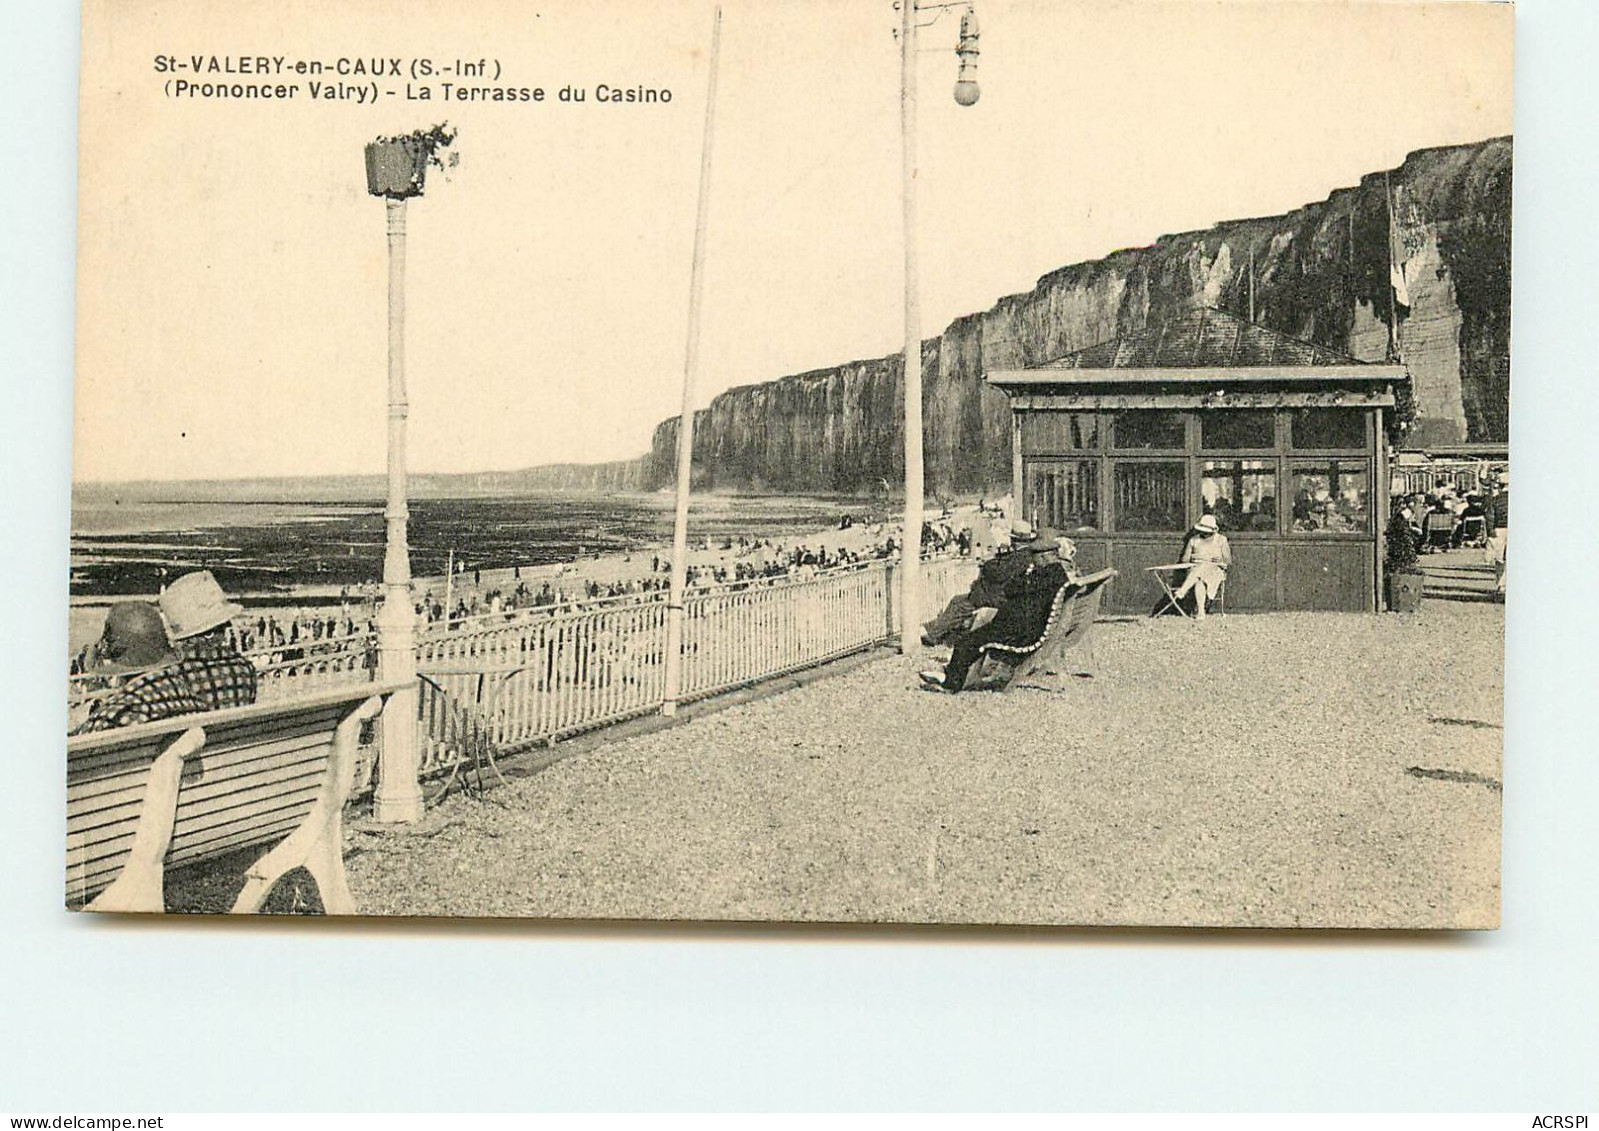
x=492 y=495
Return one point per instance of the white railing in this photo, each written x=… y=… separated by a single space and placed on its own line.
x=289 y=672
x=942 y=578
x=732 y=636
x=523 y=614
x=571 y=668
x=542 y=674
x=547 y=677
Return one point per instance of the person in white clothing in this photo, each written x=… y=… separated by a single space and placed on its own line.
x=1210 y=557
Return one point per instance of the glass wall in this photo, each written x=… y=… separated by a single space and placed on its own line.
x=1330 y=498
x=1049 y=432
x=1328 y=429
x=1063 y=494
x=1302 y=472
x=1150 y=495
x=1150 y=429
x=1238 y=430
x=1242 y=494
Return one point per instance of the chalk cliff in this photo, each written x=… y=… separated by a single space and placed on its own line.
x=1321 y=274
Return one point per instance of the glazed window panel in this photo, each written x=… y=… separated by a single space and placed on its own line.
x=1330 y=498
x=1150 y=429
x=1238 y=428
x=1150 y=495
x=1322 y=429
x=1044 y=432
x=1242 y=494
x=1064 y=494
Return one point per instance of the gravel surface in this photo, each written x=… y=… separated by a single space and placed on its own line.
x=1293 y=769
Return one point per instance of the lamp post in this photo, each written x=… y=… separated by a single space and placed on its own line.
x=966 y=93
x=396 y=169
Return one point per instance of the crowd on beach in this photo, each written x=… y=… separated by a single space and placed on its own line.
x=728 y=562
x=277 y=631
x=470 y=593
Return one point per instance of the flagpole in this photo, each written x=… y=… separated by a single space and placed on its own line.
x=449 y=587
x=1394 y=352
x=1251 y=283
x=685 y=422
x=910 y=550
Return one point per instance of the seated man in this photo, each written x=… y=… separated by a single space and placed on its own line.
x=204 y=673
x=986 y=592
x=1210 y=556
x=1021 y=617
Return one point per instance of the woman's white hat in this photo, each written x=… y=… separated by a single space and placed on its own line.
x=1207 y=523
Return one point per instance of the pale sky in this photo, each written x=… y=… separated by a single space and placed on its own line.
x=232 y=279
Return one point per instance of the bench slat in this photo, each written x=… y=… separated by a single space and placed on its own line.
x=259 y=826
x=94 y=865
x=201 y=770
x=84 y=766
x=279 y=712
x=280 y=773
x=104 y=843
x=86 y=880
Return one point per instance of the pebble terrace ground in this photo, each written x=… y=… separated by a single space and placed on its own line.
x=1296 y=769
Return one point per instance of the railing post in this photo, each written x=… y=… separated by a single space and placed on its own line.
x=889 y=590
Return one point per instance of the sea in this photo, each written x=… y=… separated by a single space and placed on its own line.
x=286 y=552
x=274 y=550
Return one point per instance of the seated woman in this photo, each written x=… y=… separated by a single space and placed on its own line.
x=1209 y=556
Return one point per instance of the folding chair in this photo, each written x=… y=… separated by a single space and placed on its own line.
x=1437 y=531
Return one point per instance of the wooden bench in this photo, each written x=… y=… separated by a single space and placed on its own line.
x=1070 y=623
x=144 y=799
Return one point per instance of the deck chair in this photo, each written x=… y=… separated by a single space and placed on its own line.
x=1474 y=531
x=1070 y=624
x=1437 y=531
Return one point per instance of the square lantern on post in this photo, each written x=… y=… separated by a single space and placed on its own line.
x=396 y=167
